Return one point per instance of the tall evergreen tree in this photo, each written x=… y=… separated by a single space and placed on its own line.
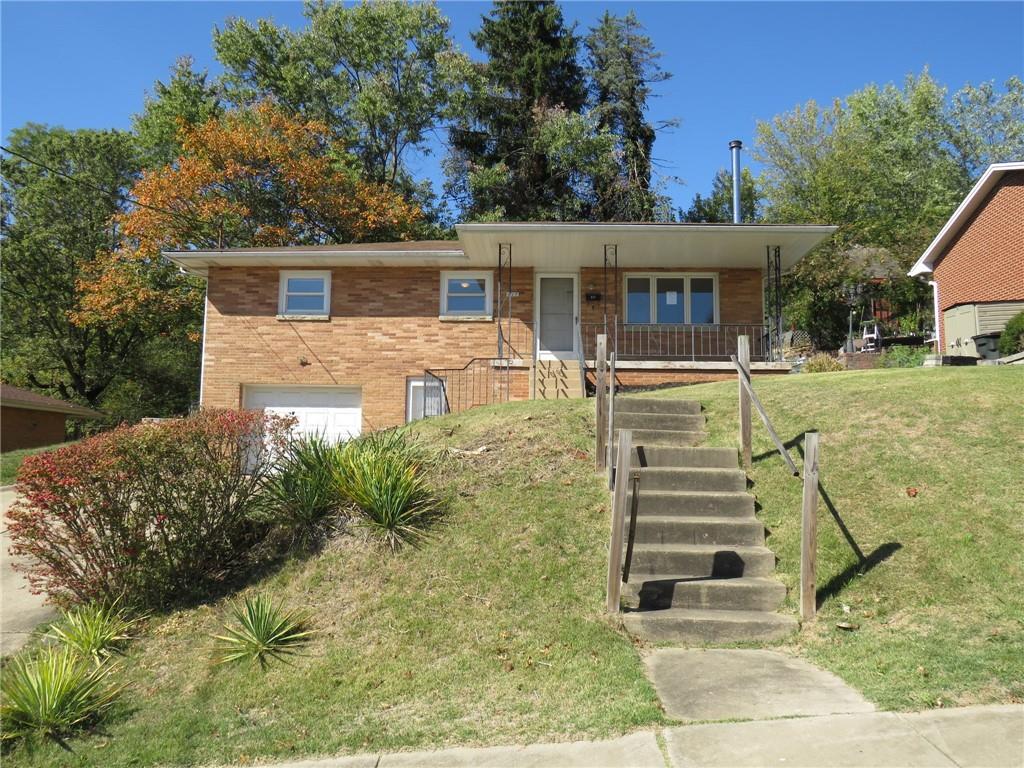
x=498 y=166
x=622 y=66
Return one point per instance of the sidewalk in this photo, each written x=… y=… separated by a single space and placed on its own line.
x=20 y=610
x=970 y=737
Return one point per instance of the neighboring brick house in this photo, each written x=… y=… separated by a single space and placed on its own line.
x=30 y=420
x=355 y=337
x=977 y=261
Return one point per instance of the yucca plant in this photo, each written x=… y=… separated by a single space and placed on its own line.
x=301 y=492
x=95 y=631
x=381 y=476
x=261 y=631
x=52 y=694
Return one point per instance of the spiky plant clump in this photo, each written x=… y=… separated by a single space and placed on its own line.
x=52 y=694
x=381 y=476
x=301 y=492
x=261 y=631
x=94 y=631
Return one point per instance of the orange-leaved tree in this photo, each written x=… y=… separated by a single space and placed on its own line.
x=252 y=177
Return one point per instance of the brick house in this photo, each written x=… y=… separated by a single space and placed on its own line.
x=355 y=337
x=976 y=262
x=30 y=420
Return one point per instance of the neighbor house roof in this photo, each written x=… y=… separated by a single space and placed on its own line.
x=989 y=179
x=548 y=245
x=16 y=397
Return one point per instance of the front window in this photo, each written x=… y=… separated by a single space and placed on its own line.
x=466 y=294
x=305 y=292
x=670 y=299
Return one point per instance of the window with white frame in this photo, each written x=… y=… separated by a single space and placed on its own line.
x=466 y=294
x=305 y=292
x=425 y=396
x=671 y=298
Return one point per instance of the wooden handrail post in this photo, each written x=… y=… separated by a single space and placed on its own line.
x=743 y=356
x=809 y=527
x=601 y=401
x=611 y=417
x=779 y=446
x=622 y=466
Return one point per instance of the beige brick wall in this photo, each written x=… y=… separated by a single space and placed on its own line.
x=383 y=328
x=985 y=262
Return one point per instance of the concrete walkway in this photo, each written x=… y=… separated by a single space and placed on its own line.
x=970 y=737
x=20 y=610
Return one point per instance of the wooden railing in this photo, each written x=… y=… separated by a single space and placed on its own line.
x=809 y=506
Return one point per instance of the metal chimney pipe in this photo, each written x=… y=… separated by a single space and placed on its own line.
x=736 y=145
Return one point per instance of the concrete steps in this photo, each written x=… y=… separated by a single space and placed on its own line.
x=662 y=437
x=722 y=531
x=701 y=573
x=695 y=503
x=692 y=479
x=714 y=560
x=706 y=626
x=747 y=593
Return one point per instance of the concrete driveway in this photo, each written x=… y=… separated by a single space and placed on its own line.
x=20 y=610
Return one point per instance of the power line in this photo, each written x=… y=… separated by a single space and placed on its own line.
x=113 y=193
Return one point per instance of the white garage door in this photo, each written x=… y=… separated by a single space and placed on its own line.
x=334 y=413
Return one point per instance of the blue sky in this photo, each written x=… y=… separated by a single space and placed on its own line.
x=84 y=64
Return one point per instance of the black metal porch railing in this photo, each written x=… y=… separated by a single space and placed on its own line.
x=481 y=381
x=677 y=342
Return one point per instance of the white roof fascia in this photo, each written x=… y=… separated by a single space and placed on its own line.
x=964 y=211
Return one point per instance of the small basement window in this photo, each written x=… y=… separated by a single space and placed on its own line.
x=466 y=294
x=425 y=396
x=305 y=292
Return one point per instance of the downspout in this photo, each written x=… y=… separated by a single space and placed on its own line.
x=202 y=346
x=938 y=319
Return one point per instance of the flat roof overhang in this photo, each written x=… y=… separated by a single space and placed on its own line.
x=550 y=246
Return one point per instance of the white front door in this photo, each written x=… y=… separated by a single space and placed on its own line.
x=557 y=316
x=333 y=413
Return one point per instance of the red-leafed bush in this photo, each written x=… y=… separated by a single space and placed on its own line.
x=153 y=512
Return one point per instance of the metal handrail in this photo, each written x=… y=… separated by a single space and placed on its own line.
x=463 y=388
x=671 y=341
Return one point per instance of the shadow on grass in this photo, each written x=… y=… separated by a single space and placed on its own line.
x=838 y=582
x=864 y=562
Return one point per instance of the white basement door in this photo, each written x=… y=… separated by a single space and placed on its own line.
x=334 y=413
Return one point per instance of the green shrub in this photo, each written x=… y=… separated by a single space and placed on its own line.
x=94 y=631
x=1011 y=341
x=902 y=357
x=52 y=694
x=301 y=494
x=822 y=363
x=261 y=631
x=381 y=476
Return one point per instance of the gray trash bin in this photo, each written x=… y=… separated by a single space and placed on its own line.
x=987 y=345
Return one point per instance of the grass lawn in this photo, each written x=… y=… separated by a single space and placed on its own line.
x=493 y=631
x=11 y=460
x=941 y=618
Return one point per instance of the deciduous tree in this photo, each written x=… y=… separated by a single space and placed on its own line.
x=253 y=177
x=56 y=232
x=379 y=76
